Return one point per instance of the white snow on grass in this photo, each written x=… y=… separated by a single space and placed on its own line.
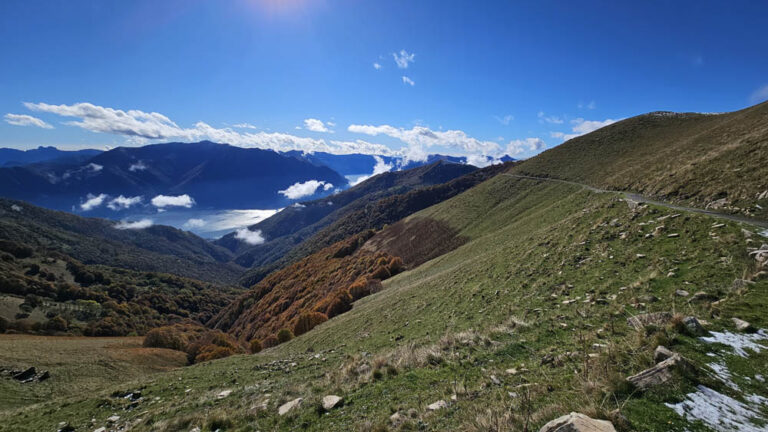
x=721 y=412
x=739 y=342
x=722 y=372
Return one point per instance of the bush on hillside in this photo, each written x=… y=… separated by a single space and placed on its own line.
x=270 y=341
x=57 y=324
x=255 y=346
x=307 y=321
x=284 y=335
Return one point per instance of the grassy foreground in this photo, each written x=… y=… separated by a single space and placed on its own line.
x=523 y=323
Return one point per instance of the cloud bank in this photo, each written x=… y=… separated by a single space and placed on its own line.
x=305 y=189
x=140 y=224
x=26 y=120
x=250 y=237
x=162 y=201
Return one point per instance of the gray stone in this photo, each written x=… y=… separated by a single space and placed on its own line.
x=681 y=293
x=437 y=405
x=659 y=374
x=693 y=325
x=742 y=325
x=575 y=422
x=331 y=401
x=288 y=406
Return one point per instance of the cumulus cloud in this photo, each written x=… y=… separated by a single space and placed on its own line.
x=581 y=127
x=123 y=202
x=481 y=161
x=162 y=201
x=93 y=201
x=139 y=224
x=26 y=120
x=376 y=65
x=250 y=237
x=419 y=138
x=380 y=168
x=194 y=223
x=515 y=147
x=408 y=81
x=543 y=118
x=403 y=59
x=759 y=95
x=305 y=189
x=137 y=166
x=315 y=125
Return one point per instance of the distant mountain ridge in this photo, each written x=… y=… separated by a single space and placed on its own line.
x=12 y=157
x=213 y=175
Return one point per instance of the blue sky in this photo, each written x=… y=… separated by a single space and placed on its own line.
x=475 y=78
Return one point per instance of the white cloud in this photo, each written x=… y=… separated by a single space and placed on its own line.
x=481 y=161
x=315 y=125
x=26 y=120
x=380 y=168
x=305 y=189
x=581 y=127
x=140 y=224
x=759 y=95
x=403 y=58
x=408 y=81
x=93 y=201
x=123 y=202
x=140 y=127
x=362 y=147
x=505 y=120
x=194 y=223
x=94 y=167
x=591 y=105
x=251 y=237
x=137 y=166
x=515 y=147
x=244 y=126
x=377 y=66
x=549 y=119
x=173 y=201
x=419 y=137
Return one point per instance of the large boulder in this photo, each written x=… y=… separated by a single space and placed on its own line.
x=575 y=422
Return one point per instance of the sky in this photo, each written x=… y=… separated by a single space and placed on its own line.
x=479 y=79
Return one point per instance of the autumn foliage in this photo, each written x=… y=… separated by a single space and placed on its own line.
x=200 y=343
x=325 y=283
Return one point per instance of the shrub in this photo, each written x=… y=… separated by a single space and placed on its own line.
x=212 y=352
x=270 y=341
x=284 y=335
x=166 y=337
x=16 y=249
x=341 y=303
x=307 y=321
x=255 y=346
x=57 y=323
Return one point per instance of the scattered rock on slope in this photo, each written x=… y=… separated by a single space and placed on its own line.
x=288 y=406
x=331 y=401
x=575 y=422
x=741 y=325
x=659 y=374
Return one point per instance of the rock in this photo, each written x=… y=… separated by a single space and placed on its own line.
x=673 y=235
x=662 y=353
x=437 y=405
x=224 y=393
x=26 y=374
x=693 y=325
x=495 y=380
x=101 y=429
x=195 y=429
x=717 y=204
x=658 y=374
x=637 y=322
x=396 y=419
x=742 y=325
x=575 y=422
x=331 y=401
x=113 y=419
x=288 y=406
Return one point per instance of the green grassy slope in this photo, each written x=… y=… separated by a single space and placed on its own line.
x=694 y=158
x=543 y=285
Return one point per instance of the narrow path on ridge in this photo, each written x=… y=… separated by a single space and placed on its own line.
x=640 y=198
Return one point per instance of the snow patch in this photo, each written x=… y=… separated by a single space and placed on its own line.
x=720 y=412
x=739 y=342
